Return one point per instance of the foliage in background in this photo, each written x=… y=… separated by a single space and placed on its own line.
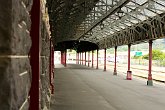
x=156 y=55
x=137 y=57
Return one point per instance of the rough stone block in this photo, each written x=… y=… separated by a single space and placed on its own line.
x=5 y=26
x=15 y=87
x=4 y=84
x=14 y=40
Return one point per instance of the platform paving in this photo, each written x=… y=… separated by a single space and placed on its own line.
x=82 y=88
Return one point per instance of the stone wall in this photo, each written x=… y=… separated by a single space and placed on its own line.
x=15 y=43
x=44 y=76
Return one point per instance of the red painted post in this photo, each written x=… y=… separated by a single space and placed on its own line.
x=85 y=59
x=65 y=57
x=35 y=55
x=105 y=59
x=129 y=50
x=53 y=61
x=82 y=58
x=77 y=58
x=50 y=68
x=62 y=57
x=150 y=82
x=92 y=57
x=129 y=73
x=115 y=71
x=97 y=58
x=88 y=57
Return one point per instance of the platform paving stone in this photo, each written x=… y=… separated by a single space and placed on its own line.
x=82 y=88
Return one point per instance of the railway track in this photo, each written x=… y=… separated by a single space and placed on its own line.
x=157 y=75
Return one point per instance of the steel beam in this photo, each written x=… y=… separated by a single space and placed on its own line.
x=105 y=16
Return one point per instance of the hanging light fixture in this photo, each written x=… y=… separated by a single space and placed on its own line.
x=101 y=25
x=91 y=33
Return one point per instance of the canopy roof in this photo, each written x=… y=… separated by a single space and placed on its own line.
x=98 y=20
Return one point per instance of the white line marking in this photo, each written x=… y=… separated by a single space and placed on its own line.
x=23 y=73
x=13 y=56
x=21 y=108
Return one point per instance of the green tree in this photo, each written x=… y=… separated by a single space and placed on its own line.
x=156 y=55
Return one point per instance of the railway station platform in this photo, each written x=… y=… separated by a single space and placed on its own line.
x=78 y=87
x=93 y=31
